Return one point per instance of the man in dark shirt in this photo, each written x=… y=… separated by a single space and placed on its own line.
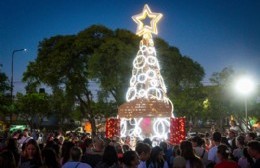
x=254 y=152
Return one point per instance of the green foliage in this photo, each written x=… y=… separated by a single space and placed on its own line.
x=5 y=98
x=224 y=101
x=33 y=107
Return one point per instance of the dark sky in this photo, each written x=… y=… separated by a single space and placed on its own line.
x=215 y=33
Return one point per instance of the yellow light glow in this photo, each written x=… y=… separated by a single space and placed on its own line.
x=146 y=30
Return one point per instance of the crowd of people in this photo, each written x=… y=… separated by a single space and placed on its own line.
x=53 y=150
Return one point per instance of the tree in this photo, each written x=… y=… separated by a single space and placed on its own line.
x=62 y=106
x=33 y=107
x=224 y=101
x=183 y=78
x=6 y=107
x=62 y=62
x=111 y=64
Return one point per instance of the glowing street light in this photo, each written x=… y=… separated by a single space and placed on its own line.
x=245 y=86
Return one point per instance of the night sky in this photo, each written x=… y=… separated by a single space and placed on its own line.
x=215 y=33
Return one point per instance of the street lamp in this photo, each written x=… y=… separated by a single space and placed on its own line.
x=245 y=87
x=12 y=69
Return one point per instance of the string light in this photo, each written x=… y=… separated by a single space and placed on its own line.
x=132 y=127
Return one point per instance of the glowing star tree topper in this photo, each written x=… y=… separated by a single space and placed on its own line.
x=143 y=30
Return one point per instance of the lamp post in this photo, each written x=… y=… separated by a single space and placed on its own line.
x=245 y=86
x=12 y=74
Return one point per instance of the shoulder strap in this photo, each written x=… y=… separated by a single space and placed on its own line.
x=77 y=165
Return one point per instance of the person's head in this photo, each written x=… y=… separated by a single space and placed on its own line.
x=26 y=132
x=196 y=141
x=98 y=144
x=163 y=145
x=222 y=152
x=49 y=157
x=127 y=139
x=232 y=133
x=148 y=141
x=254 y=149
x=75 y=153
x=143 y=150
x=250 y=136
x=110 y=155
x=187 y=150
x=156 y=154
x=32 y=149
x=65 y=154
x=216 y=137
x=240 y=141
x=232 y=123
x=88 y=142
x=130 y=159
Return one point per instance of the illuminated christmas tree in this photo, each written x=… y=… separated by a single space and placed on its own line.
x=148 y=109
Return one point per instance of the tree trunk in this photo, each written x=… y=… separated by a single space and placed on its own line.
x=93 y=126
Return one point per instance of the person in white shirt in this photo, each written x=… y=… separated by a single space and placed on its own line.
x=212 y=154
x=197 y=143
x=25 y=138
x=233 y=125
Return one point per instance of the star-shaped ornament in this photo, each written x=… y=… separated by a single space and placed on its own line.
x=143 y=29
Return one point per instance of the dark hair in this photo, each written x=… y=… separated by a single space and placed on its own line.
x=188 y=153
x=241 y=140
x=110 y=155
x=248 y=157
x=37 y=156
x=65 y=154
x=128 y=157
x=254 y=145
x=142 y=147
x=216 y=136
x=88 y=142
x=197 y=140
x=50 y=158
x=154 y=157
x=187 y=150
x=223 y=151
x=163 y=145
x=252 y=135
x=148 y=141
x=76 y=153
x=224 y=141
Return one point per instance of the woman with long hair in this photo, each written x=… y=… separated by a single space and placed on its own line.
x=31 y=156
x=109 y=159
x=156 y=159
x=50 y=159
x=192 y=161
x=65 y=151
